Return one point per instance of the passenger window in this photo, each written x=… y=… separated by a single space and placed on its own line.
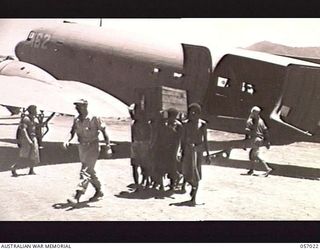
x=223 y=82
x=248 y=88
x=177 y=75
x=155 y=70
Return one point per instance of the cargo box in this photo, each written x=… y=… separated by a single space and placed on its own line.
x=156 y=99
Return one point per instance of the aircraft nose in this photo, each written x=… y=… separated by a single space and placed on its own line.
x=20 y=50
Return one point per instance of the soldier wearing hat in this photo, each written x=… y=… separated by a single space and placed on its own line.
x=87 y=129
x=27 y=142
x=257 y=133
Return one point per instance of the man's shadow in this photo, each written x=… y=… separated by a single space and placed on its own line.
x=187 y=203
x=72 y=206
x=143 y=193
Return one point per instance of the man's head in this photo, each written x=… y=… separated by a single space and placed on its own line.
x=172 y=114
x=194 y=111
x=32 y=109
x=255 y=111
x=81 y=105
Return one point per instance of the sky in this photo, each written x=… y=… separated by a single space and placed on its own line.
x=222 y=33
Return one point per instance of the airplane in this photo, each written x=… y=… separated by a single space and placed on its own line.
x=227 y=84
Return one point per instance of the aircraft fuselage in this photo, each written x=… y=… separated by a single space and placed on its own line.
x=227 y=90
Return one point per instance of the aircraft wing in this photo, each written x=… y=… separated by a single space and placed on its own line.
x=100 y=103
x=58 y=96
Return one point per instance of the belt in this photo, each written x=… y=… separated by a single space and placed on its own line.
x=88 y=143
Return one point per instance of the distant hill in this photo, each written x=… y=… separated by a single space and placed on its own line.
x=279 y=49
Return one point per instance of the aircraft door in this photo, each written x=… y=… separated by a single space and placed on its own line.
x=301 y=98
x=197 y=71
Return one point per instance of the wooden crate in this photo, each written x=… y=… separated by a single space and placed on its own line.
x=155 y=99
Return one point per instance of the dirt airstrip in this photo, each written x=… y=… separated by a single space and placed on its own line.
x=224 y=193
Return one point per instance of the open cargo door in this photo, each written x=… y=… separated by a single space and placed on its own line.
x=300 y=102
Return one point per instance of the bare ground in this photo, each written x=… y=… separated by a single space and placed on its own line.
x=224 y=193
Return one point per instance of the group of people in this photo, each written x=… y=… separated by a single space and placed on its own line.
x=164 y=148
x=168 y=148
x=86 y=128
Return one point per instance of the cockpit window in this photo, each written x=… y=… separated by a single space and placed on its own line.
x=31 y=35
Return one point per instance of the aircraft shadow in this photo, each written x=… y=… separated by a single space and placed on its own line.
x=279 y=169
x=54 y=153
x=145 y=193
x=232 y=144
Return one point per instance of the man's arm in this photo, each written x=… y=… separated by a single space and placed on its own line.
x=26 y=136
x=71 y=135
x=205 y=142
x=266 y=135
x=106 y=137
x=102 y=128
x=24 y=124
x=180 y=134
x=153 y=136
x=248 y=128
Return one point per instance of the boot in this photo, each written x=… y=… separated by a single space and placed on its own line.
x=31 y=172
x=193 y=194
x=97 y=196
x=250 y=172
x=270 y=170
x=76 y=198
x=14 y=173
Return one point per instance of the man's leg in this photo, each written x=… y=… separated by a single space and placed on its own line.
x=20 y=163
x=31 y=171
x=183 y=186
x=266 y=166
x=135 y=173
x=82 y=185
x=34 y=157
x=173 y=176
x=193 y=193
x=159 y=183
x=95 y=183
x=13 y=170
x=134 y=164
x=252 y=157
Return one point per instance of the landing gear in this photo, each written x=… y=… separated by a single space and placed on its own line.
x=223 y=154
